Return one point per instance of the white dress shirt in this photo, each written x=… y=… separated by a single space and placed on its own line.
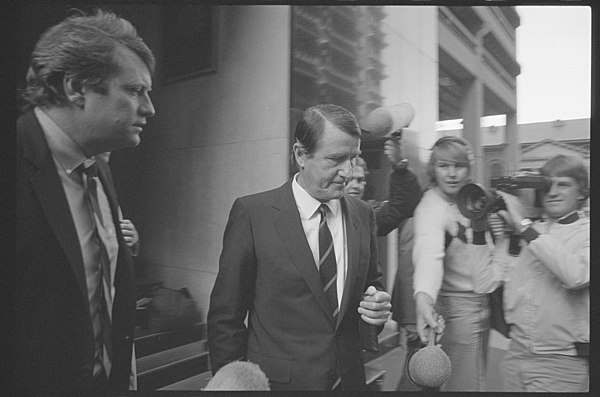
x=308 y=207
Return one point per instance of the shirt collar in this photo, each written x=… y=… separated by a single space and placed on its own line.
x=65 y=150
x=566 y=219
x=307 y=204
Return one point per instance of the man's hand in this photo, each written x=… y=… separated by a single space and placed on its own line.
x=427 y=316
x=130 y=234
x=393 y=150
x=375 y=306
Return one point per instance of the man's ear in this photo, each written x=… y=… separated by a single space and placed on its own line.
x=584 y=193
x=73 y=91
x=299 y=154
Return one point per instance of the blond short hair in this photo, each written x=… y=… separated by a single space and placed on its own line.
x=239 y=375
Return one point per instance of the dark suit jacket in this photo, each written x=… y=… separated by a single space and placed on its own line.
x=267 y=270
x=405 y=193
x=53 y=339
x=403 y=304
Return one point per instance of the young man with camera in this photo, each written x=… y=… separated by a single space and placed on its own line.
x=546 y=287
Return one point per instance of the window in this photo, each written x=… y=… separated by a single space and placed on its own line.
x=190 y=42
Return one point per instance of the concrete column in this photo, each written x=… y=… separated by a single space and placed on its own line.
x=473 y=107
x=512 y=149
x=472 y=111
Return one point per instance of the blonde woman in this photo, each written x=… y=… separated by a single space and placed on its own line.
x=444 y=296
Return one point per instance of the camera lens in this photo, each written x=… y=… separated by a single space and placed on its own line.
x=474 y=200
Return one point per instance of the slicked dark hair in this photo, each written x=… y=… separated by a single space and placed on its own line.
x=311 y=127
x=82 y=47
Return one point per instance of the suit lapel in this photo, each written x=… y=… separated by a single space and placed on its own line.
x=353 y=244
x=48 y=188
x=289 y=227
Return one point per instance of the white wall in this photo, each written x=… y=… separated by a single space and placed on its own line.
x=223 y=135
x=214 y=138
x=411 y=64
x=411 y=67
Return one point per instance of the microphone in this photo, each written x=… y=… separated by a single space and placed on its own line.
x=384 y=121
x=430 y=366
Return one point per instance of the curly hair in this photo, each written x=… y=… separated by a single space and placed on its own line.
x=82 y=47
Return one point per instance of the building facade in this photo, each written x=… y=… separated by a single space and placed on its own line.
x=537 y=143
x=478 y=70
x=226 y=105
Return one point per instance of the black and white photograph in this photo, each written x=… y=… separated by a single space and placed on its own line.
x=342 y=196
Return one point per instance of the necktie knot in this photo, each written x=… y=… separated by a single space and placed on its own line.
x=323 y=211
x=91 y=186
x=91 y=170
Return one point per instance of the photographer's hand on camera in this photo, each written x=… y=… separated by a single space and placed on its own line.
x=514 y=213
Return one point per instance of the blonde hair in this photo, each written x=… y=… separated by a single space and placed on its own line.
x=456 y=147
x=239 y=375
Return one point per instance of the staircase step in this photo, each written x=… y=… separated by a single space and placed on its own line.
x=388 y=340
x=391 y=338
x=196 y=382
x=154 y=343
x=166 y=362
x=374 y=377
x=173 y=365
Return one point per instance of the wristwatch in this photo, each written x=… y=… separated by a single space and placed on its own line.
x=401 y=165
x=525 y=223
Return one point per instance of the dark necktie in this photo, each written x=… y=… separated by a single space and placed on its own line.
x=328 y=270
x=327 y=262
x=91 y=182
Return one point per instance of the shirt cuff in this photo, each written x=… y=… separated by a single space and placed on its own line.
x=530 y=234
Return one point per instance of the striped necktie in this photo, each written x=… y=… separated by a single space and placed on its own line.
x=327 y=262
x=91 y=182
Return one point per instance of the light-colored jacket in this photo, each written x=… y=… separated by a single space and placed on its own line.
x=546 y=293
x=439 y=267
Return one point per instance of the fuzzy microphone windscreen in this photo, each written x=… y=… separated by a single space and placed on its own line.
x=429 y=367
x=385 y=120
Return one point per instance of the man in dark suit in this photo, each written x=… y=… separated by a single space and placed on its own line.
x=303 y=323
x=86 y=94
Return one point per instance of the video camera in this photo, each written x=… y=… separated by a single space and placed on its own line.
x=475 y=200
